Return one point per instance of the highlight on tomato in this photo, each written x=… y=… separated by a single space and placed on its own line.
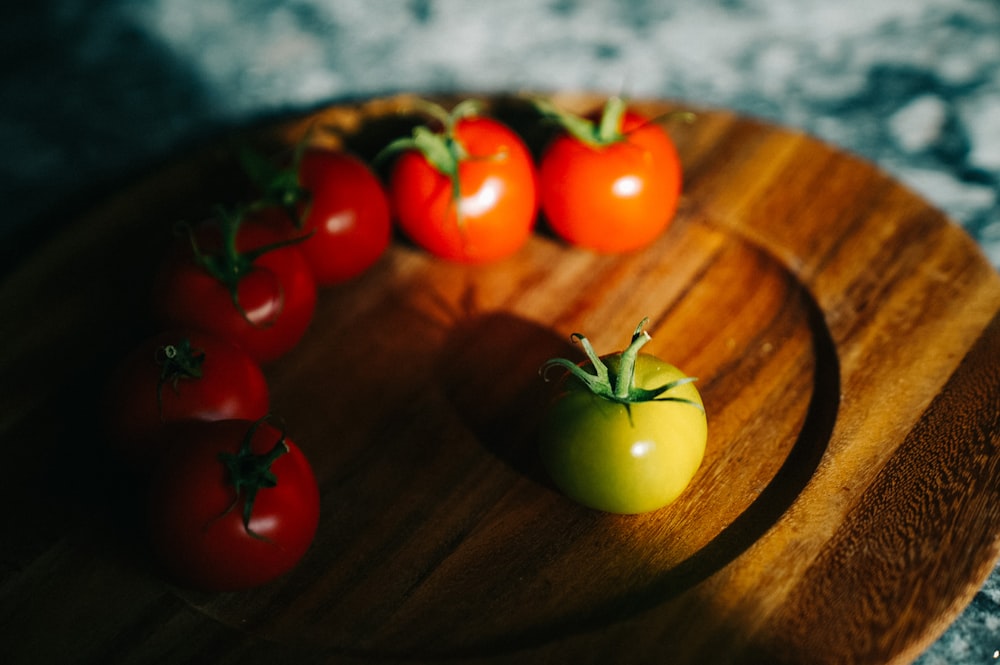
x=240 y=279
x=465 y=191
x=233 y=504
x=609 y=182
x=626 y=432
x=334 y=201
x=176 y=376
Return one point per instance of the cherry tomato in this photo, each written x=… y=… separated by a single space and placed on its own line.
x=233 y=504
x=610 y=184
x=176 y=376
x=468 y=193
x=335 y=200
x=348 y=214
x=626 y=432
x=241 y=281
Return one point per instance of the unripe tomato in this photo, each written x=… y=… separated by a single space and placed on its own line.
x=627 y=455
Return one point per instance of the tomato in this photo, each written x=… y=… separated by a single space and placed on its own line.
x=625 y=433
x=467 y=193
x=233 y=504
x=348 y=215
x=335 y=200
x=241 y=281
x=176 y=376
x=610 y=184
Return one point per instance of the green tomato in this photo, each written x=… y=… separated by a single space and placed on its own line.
x=625 y=433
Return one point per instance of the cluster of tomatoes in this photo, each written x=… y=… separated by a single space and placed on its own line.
x=233 y=502
x=471 y=192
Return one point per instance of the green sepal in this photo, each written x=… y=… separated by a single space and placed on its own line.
x=606 y=131
x=229 y=265
x=441 y=149
x=176 y=361
x=279 y=186
x=622 y=389
x=248 y=473
x=608 y=128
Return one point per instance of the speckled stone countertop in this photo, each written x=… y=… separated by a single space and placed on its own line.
x=94 y=93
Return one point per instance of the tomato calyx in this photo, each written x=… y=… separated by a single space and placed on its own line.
x=177 y=362
x=248 y=473
x=606 y=131
x=442 y=149
x=280 y=186
x=228 y=264
x=619 y=387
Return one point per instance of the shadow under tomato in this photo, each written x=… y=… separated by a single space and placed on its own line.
x=483 y=356
x=488 y=367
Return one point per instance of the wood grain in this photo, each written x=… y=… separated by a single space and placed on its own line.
x=845 y=334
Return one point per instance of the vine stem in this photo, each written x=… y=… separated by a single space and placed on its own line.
x=621 y=387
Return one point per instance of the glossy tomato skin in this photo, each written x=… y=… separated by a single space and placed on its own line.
x=498 y=205
x=278 y=297
x=230 y=385
x=600 y=458
x=348 y=215
x=197 y=530
x=615 y=198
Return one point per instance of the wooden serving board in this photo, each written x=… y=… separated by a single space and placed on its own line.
x=845 y=334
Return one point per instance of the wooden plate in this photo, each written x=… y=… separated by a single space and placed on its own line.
x=845 y=334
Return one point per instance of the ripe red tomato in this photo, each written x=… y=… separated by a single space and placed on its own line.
x=176 y=376
x=244 y=284
x=348 y=215
x=233 y=504
x=612 y=187
x=468 y=193
x=335 y=200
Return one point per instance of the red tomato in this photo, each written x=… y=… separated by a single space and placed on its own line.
x=248 y=289
x=233 y=504
x=333 y=201
x=348 y=215
x=176 y=376
x=611 y=197
x=484 y=210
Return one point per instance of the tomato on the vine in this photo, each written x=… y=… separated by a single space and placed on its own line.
x=333 y=199
x=626 y=432
x=175 y=376
x=467 y=193
x=233 y=504
x=609 y=183
x=241 y=280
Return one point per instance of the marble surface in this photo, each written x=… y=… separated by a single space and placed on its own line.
x=94 y=93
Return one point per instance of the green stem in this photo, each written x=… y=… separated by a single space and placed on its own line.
x=441 y=149
x=625 y=382
x=249 y=472
x=623 y=389
x=229 y=265
x=279 y=186
x=606 y=131
x=610 y=128
x=177 y=361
